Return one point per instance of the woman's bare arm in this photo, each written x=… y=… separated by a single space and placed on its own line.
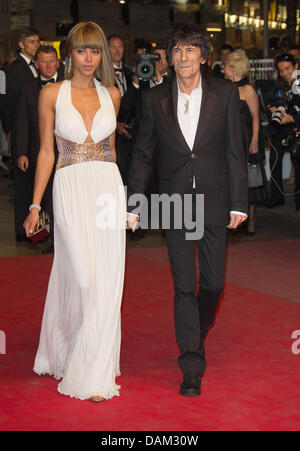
x=116 y=100
x=46 y=155
x=253 y=103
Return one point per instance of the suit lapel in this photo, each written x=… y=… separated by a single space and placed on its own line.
x=25 y=65
x=169 y=107
x=209 y=99
x=39 y=83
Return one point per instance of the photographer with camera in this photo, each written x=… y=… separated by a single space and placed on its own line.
x=151 y=69
x=151 y=65
x=126 y=116
x=162 y=65
x=284 y=119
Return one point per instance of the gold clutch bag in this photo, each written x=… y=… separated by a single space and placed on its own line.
x=42 y=229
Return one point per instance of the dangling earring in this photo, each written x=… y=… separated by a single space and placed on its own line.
x=69 y=65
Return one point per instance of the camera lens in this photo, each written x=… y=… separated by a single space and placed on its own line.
x=145 y=69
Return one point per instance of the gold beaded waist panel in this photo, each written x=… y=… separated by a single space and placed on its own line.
x=73 y=153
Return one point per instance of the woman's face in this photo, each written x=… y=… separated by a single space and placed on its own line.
x=85 y=61
x=229 y=72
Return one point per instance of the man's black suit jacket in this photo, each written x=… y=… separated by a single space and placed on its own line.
x=27 y=120
x=217 y=160
x=129 y=99
x=17 y=74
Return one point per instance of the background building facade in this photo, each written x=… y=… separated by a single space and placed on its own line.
x=238 y=22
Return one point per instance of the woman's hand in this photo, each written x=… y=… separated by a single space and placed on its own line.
x=31 y=222
x=132 y=221
x=253 y=146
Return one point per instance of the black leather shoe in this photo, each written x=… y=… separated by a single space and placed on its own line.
x=48 y=250
x=137 y=235
x=190 y=386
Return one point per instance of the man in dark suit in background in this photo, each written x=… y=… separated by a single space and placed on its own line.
x=195 y=122
x=28 y=138
x=162 y=66
x=126 y=116
x=17 y=74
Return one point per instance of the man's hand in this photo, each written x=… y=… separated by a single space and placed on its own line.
x=132 y=222
x=253 y=146
x=122 y=129
x=287 y=118
x=23 y=163
x=236 y=220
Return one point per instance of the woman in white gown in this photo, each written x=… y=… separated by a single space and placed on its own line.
x=81 y=334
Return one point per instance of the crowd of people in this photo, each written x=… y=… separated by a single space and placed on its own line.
x=34 y=66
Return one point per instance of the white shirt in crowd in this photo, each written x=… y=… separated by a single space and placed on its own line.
x=46 y=79
x=120 y=78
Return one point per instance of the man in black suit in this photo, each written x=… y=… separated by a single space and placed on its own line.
x=123 y=76
x=162 y=66
x=17 y=74
x=27 y=134
x=195 y=122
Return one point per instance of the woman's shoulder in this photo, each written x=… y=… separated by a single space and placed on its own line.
x=52 y=88
x=247 y=91
x=114 y=95
x=113 y=92
x=50 y=92
x=247 y=88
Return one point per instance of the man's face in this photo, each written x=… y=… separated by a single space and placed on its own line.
x=29 y=46
x=186 y=60
x=116 y=48
x=162 y=65
x=47 y=64
x=224 y=55
x=286 y=70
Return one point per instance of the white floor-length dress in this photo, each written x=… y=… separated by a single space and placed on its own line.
x=81 y=331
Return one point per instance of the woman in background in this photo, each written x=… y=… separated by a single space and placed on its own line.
x=236 y=69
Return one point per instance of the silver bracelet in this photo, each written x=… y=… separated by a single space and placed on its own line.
x=35 y=206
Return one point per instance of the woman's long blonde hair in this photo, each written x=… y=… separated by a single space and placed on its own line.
x=90 y=35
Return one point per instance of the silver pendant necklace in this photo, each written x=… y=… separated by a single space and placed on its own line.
x=186 y=106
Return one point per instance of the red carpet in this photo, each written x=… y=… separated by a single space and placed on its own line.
x=252 y=379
